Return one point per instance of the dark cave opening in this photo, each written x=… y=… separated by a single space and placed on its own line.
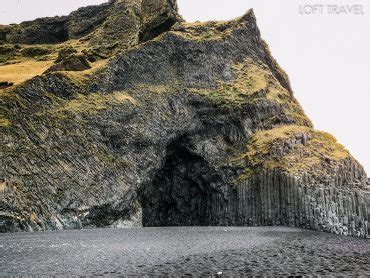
x=5 y=84
x=184 y=192
x=151 y=33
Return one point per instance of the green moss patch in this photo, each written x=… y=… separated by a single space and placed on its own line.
x=295 y=149
x=89 y=104
x=4 y=122
x=204 y=31
x=253 y=83
x=211 y=30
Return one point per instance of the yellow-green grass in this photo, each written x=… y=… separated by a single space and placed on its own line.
x=2 y=190
x=250 y=79
x=81 y=77
x=18 y=73
x=21 y=68
x=4 y=122
x=210 y=30
x=283 y=148
x=88 y=104
x=204 y=31
x=254 y=82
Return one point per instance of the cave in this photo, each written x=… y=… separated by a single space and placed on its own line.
x=184 y=192
x=153 y=32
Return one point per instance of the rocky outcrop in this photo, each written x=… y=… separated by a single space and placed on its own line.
x=71 y=62
x=187 y=124
x=114 y=25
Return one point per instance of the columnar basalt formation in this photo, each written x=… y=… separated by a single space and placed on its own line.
x=129 y=116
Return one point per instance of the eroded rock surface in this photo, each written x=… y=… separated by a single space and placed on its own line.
x=175 y=123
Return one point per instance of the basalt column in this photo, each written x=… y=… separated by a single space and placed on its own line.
x=276 y=198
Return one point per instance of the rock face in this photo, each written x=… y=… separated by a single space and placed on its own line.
x=71 y=63
x=175 y=123
x=119 y=22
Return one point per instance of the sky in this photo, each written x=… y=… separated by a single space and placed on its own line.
x=325 y=54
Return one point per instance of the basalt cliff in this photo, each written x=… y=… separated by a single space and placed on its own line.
x=125 y=115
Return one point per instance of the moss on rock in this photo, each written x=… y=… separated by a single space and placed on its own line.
x=295 y=149
x=88 y=105
x=252 y=83
x=4 y=122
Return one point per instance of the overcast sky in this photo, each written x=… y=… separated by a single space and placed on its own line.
x=326 y=56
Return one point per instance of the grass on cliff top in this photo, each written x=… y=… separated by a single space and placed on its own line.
x=23 y=71
x=210 y=30
x=88 y=104
x=25 y=61
x=203 y=31
x=13 y=54
x=81 y=77
x=295 y=149
x=18 y=73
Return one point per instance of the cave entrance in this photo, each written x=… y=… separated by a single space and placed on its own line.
x=184 y=192
x=151 y=33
